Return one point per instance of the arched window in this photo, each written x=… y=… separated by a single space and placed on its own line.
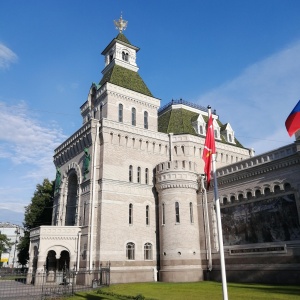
x=71 y=206
x=163 y=214
x=130 y=251
x=257 y=193
x=125 y=56
x=241 y=197
x=276 y=189
x=148 y=251
x=225 y=200
x=267 y=191
x=249 y=195
x=120 y=112
x=138 y=175
x=191 y=213
x=130 y=173
x=147 y=215
x=177 y=216
x=232 y=199
x=145 y=119
x=287 y=186
x=111 y=57
x=146 y=176
x=130 y=214
x=133 y=116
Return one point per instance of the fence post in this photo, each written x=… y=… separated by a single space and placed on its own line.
x=44 y=273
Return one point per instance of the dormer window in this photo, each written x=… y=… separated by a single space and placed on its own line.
x=124 y=56
x=216 y=130
x=199 y=125
x=228 y=133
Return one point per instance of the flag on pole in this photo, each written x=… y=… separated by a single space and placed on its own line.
x=209 y=149
x=292 y=122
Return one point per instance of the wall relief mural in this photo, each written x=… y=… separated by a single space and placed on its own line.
x=264 y=221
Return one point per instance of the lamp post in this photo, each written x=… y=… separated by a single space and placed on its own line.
x=17 y=232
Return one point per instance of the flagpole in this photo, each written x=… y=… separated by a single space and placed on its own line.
x=219 y=223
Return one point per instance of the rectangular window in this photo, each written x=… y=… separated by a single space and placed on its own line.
x=163 y=214
x=130 y=214
x=120 y=112
x=191 y=213
x=133 y=116
x=147 y=215
x=177 y=212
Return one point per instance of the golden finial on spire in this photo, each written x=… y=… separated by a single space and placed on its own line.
x=121 y=24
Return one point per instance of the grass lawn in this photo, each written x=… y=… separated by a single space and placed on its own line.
x=191 y=291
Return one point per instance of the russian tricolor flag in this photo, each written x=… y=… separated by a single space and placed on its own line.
x=292 y=122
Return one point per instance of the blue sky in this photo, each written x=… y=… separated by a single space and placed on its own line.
x=240 y=57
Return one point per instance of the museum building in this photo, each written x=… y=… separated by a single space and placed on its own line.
x=129 y=191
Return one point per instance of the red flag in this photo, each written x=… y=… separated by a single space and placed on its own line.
x=209 y=149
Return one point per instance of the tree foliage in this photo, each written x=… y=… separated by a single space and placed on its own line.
x=5 y=244
x=37 y=213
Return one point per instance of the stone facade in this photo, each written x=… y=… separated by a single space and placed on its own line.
x=130 y=195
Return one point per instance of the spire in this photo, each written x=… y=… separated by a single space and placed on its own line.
x=121 y=24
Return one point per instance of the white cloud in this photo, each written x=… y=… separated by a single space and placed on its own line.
x=26 y=154
x=257 y=102
x=23 y=139
x=7 y=57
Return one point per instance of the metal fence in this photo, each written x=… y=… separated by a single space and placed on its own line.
x=50 y=285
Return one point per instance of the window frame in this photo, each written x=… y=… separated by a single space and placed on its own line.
x=133 y=116
x=130 y=251
x=148 y=253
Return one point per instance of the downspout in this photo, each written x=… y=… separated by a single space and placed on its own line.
x=93 y=196
x=206 y=226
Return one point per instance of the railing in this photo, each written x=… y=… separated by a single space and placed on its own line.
x=181 y=101
x=51 y=284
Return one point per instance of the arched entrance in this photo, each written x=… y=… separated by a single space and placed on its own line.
x=57 y=266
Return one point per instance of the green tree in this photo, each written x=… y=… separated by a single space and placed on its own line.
x=5 y=244
x=37 y=213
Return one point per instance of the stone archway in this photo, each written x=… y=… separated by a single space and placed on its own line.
x=57 y=265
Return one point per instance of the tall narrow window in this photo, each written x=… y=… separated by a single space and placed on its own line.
x=130 y=249
x=138 y=175
x=101 y=111
x=147 y=215
x=130 y=173
x=133 y=116
x=130 y=214
x=145 y=119
x=120 y=112
x=177 y=212
x=146 y=175
x=148 y=251
x=163 y=215
x=191 y=213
